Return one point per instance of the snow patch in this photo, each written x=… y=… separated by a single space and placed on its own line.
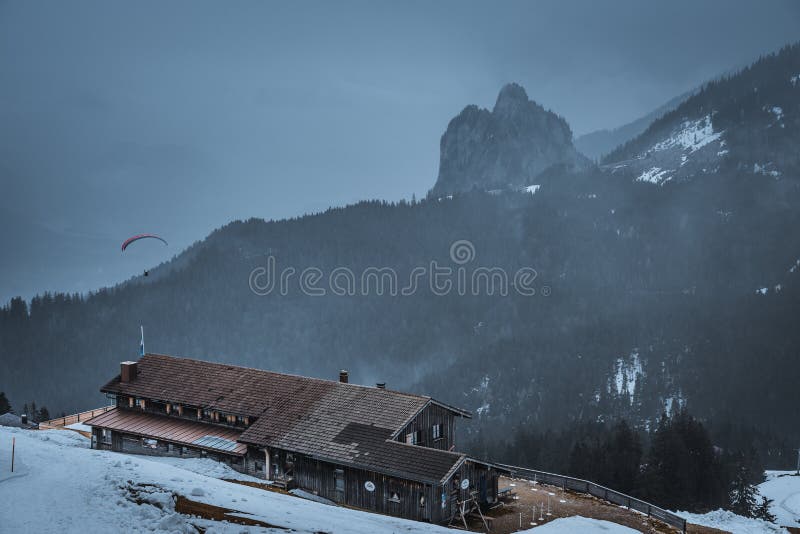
x=654 y=175
x=759 y=168
x=675 y=402
x=626 y=373
x=692 y=136
x=532 y=189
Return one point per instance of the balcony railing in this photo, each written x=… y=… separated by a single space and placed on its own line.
x=189 y=413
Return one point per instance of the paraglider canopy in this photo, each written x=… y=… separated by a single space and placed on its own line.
x=141 y=236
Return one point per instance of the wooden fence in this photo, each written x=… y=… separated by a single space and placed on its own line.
x=612 y=496
x=72 y=419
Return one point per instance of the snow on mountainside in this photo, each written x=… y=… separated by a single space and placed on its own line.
x=600 y=142
x=783 y=487
x=692 y=147
x=62 y=486
x=748 y=122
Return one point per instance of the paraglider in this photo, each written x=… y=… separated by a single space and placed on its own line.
x=141 y=236
x=130 y=240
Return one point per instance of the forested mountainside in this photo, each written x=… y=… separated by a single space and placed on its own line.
x=749 y=121
x=647 y=298
x=598 y=143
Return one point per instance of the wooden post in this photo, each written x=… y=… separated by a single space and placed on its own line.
x=13 y=446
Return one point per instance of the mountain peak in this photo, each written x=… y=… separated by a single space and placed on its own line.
x=511 y=97
x=507 y=147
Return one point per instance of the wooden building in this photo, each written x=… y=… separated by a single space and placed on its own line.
x=367 y=447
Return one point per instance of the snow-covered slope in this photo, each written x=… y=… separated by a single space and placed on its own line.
x=783 y=487
x=730 y=522
x=63 y=486
x=691 y=147
x=60 y=485
x=745 y=123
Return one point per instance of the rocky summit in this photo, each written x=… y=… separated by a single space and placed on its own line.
x=507 y=147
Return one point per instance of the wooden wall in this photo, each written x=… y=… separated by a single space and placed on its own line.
x=415 y=500
x=423 y=423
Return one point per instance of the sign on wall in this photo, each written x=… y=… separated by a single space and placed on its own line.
x=465 y=484
x=369 y=486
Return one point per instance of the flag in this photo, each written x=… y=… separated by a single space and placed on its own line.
x=141 y=344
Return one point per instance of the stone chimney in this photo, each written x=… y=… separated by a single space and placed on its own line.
x=343 y=376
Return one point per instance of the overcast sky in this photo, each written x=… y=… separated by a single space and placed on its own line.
x=176 y=117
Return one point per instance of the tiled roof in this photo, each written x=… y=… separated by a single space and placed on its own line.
x=342 y=423
x=353 y=426
x=201 y=435
x=236 y=390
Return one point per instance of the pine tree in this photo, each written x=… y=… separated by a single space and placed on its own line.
x=743 y=494
x=5 y=406
x=762 y=510
x=43 y=414
x=624 y=452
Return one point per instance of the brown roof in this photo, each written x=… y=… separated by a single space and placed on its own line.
x=342 y=423
x=200 y=435
x=237 y=390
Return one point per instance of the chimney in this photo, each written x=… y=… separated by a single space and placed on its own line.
x=343 y=376
x=127 y=372
x=24 y=419
x=381 y=385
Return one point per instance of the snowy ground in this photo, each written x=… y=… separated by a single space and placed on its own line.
x=730 y=522
x=79 y=426
x=783 y=487
x=61 y=486
x=583 y=525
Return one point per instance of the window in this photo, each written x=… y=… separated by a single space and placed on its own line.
x=437 y=431
x=338 y=480
x=138 y=403
x=412 y=438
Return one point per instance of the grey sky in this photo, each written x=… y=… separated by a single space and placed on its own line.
x=176 y=117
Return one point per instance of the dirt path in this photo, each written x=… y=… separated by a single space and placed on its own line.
x=519 y=511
